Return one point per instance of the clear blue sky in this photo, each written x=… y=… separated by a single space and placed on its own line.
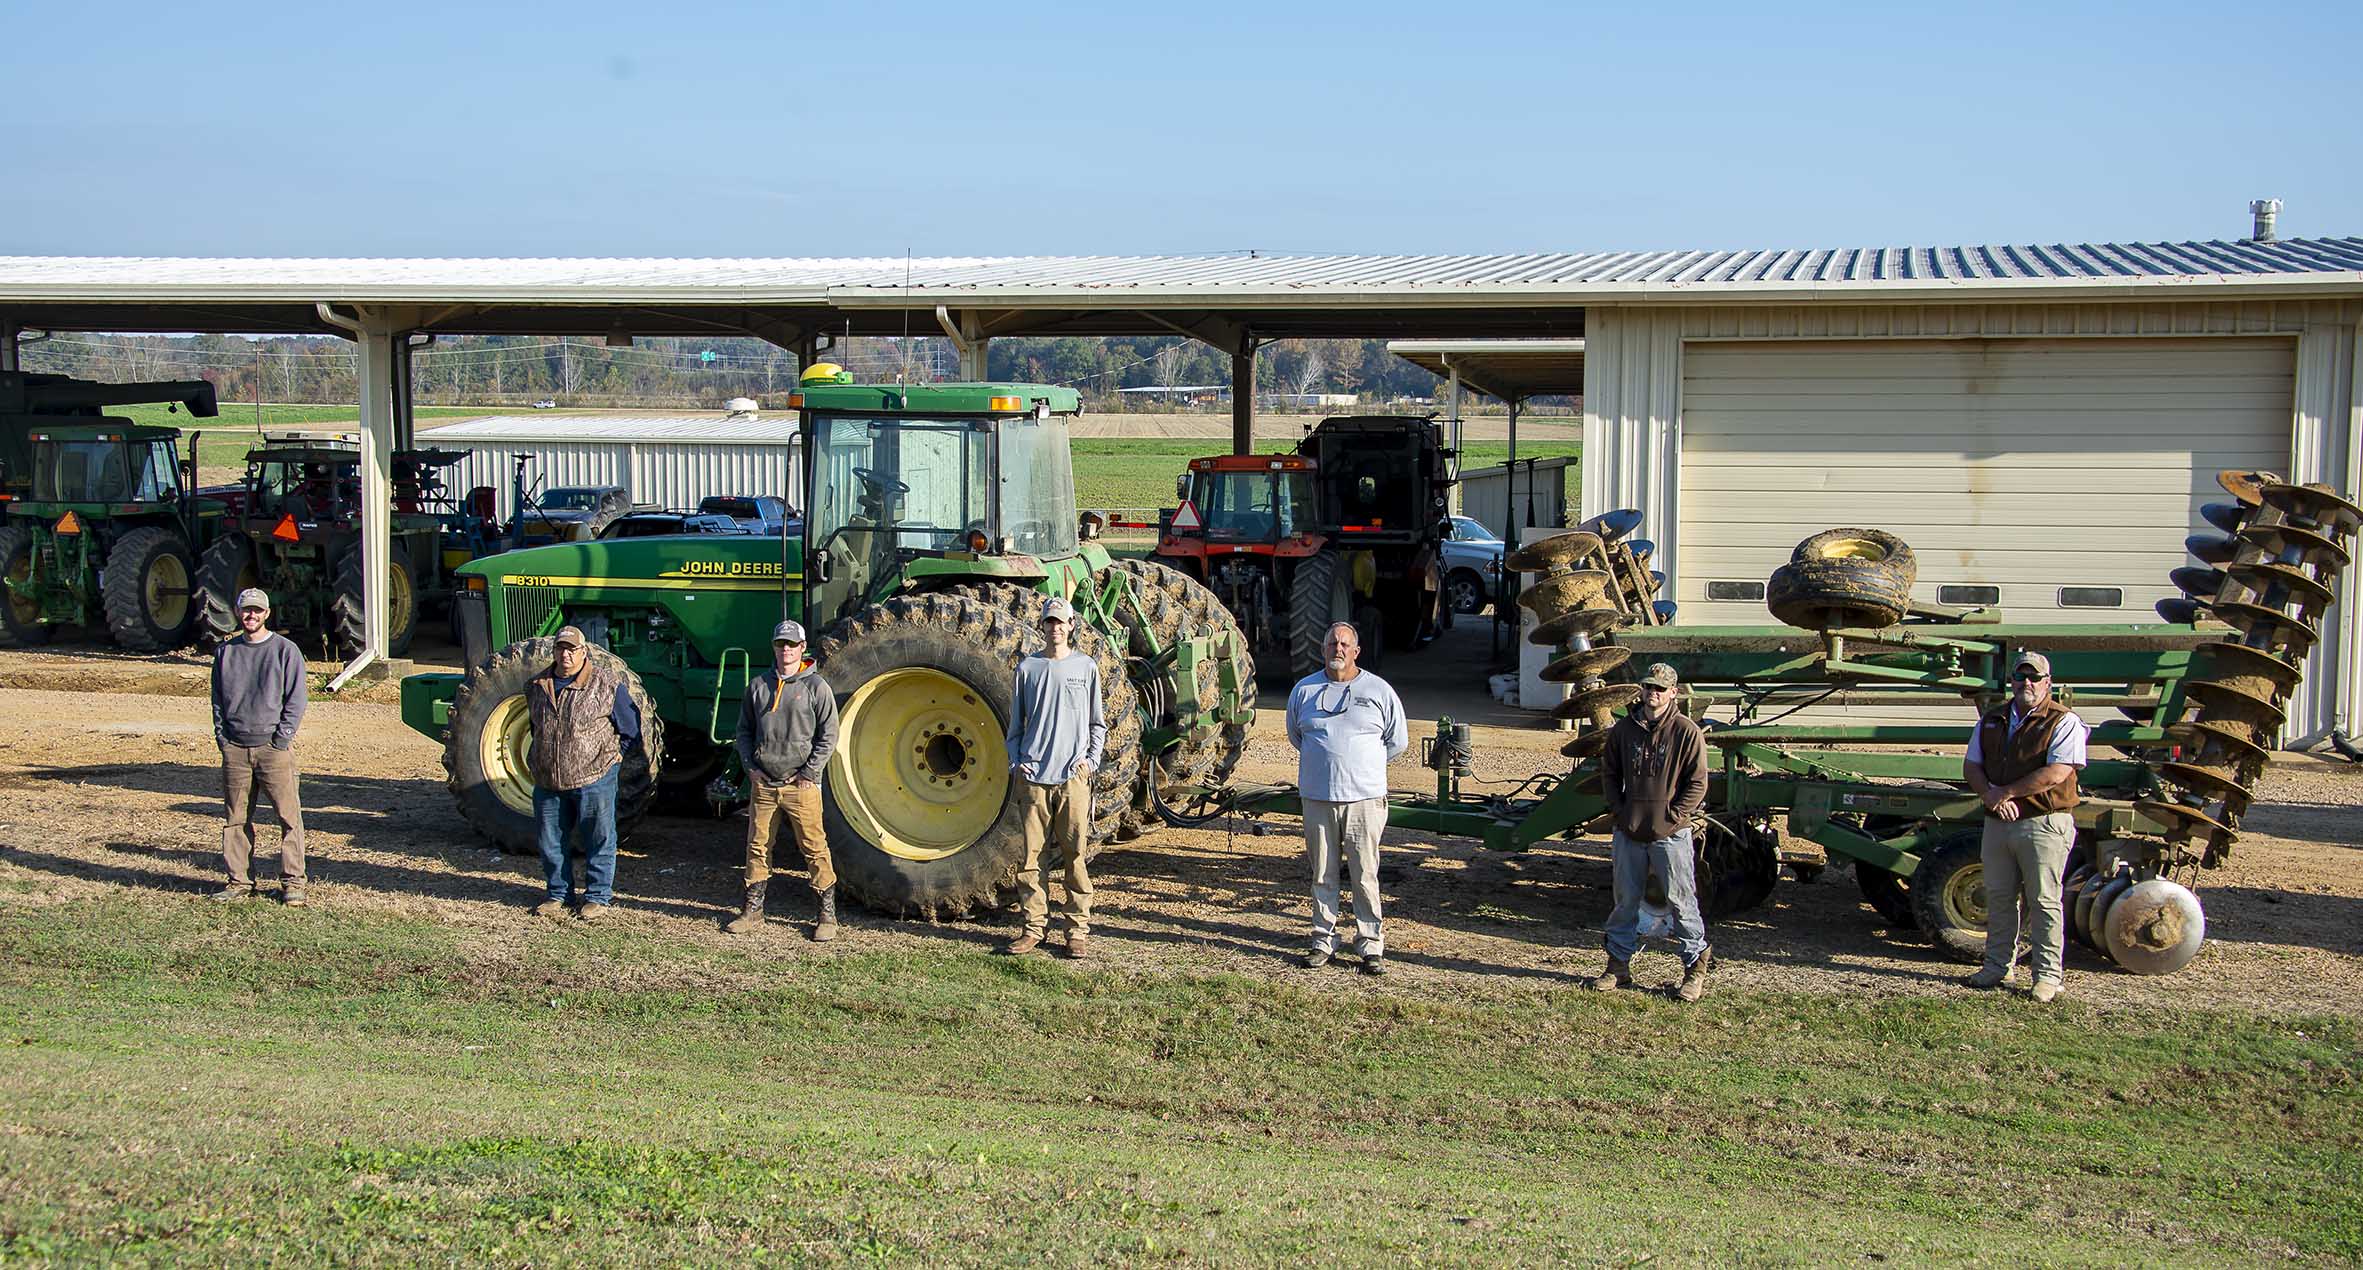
x=700 y=129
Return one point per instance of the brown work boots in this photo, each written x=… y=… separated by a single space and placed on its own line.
x=1618 y=975
x=750 y=914
x=1694 y=977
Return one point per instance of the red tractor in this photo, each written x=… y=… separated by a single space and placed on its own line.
x=1346 y=529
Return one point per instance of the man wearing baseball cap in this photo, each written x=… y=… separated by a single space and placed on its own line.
x=2022 y=763
x=787 y=728
x=1056 y=729
x=1654 y=773
x=583 y=722
x=258 y=700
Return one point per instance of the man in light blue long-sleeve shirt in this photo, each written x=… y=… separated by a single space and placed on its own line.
x=1057 y=726
x=1346 y=724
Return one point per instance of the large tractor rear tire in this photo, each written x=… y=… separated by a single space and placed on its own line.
x=918 y=800
x=346 y=620
x=228 y=568
x=484 y=752
x=1321 y=594
x=1175 y=606
x=20 y=617
x=148 y=596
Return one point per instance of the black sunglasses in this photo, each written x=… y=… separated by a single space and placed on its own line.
x=2029 y=676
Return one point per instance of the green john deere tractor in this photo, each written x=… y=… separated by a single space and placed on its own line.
x=941 y=519
x=106 y=537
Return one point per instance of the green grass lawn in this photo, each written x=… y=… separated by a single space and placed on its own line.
x=1138 y=472
x=202 y=1085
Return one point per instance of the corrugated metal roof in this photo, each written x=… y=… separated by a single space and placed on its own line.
x=1295 y=278
x=687 y=429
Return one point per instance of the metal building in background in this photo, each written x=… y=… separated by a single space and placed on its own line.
x=667 y=461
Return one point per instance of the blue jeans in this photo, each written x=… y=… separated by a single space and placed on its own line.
x=587 y=816
x=1670 y=859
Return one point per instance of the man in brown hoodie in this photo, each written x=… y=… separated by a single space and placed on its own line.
x=1654 y=773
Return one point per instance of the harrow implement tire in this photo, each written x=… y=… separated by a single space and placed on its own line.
x=346 y=623
x=1734 y=870
x=1175 y=604
x=1888 y=893
x=1949 y=898
x=484 y=751
x=919 y=801
x=1869 y=546
x=21 y=618
x=1816 y=595
x=227 y=569
x=147 y=594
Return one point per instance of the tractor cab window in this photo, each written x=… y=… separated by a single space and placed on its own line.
x=1037 y=487
x=85 y=472
x=159 y=474
x=916 y=483
x=1252 y=506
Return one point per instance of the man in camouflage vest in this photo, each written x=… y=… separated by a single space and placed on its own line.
x=583 y=722
x=2022 y=763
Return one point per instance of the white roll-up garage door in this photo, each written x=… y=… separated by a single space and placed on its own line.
x=2058 y=477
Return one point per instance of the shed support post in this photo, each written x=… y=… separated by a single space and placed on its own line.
x=966 y=332
x=379 y=410
x=8 y=353
x=1452 y=411
x=1243 y=395
x=1509 y=485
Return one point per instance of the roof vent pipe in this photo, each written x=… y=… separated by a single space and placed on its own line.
x=740 y=408
x=2266 y=211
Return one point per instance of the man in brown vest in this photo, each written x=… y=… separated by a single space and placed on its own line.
x=2022 y=763
x=583 y=721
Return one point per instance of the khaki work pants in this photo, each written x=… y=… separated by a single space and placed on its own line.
x=244 y=769
x=2024 y=859
x=799 y=807
x=1057 y=820
x=1343 y=838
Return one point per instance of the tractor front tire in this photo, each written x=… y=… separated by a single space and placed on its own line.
x=491 y=733
x=347 y=620
x=1172 y=606
x=21 y=618
x=228 y=568
x=147 y=594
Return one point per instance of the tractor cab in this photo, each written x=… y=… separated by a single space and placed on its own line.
x=1250 y=498
x=104 y=465
x=914 y=481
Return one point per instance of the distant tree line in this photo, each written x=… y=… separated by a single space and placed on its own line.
x=704 y=373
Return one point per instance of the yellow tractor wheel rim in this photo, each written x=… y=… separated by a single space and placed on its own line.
x=168 y=592
x=398 y=601
x=501 y=750
x=920 y=770
x=1965 y=898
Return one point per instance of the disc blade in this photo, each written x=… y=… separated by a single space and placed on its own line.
x=1613 y=525
x=1555 y=552
x=1590 y=623
x=2224 y=516
x=2265 y=576
x=2192 y=580
x=2204 y=738
x=2210 y=548
x=2317 y=549
x=2181 y=610
x=2229 y=661
x=1604 y=697
x=2155 y=928
x=1591 y=663
x=2315 y=502
x=1556 y=594
x=1665 y=610
x=1586 y=744
x=2248 y=487
x=2176 y=815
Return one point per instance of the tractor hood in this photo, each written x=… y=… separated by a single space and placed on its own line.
x=716 y=561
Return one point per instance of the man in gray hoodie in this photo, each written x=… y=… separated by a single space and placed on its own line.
x=258 y=699
x=787 y=728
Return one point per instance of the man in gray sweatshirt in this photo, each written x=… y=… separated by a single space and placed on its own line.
x=258 y=699
x=1056 y=729
x=787 y=728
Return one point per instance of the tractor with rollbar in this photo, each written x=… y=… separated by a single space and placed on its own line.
x=1349 y=528
x=940 y=520
x=2203 y=695
x=104 y=520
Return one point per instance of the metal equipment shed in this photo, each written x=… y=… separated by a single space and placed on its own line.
x=666 y=460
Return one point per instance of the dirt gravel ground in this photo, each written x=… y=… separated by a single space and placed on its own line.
x=104 y=790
